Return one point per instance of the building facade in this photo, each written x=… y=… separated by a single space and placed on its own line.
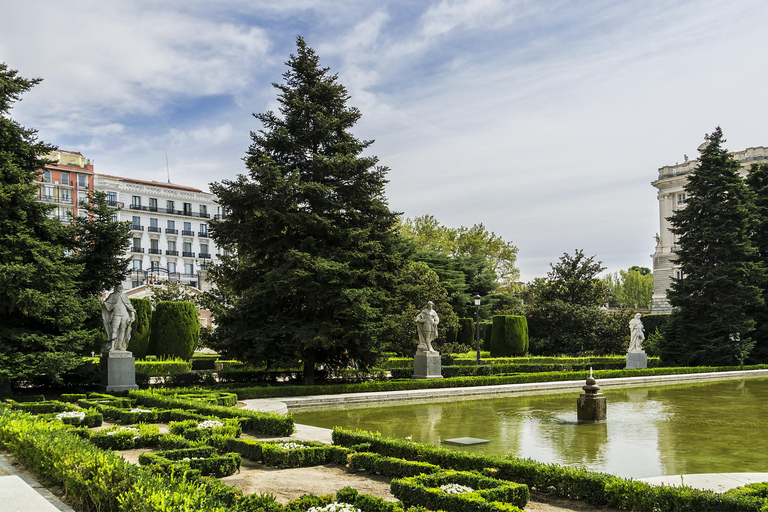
x=169 y=223
x=671 y=194
x=65 y=183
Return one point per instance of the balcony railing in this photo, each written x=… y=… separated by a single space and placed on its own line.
x=154 y=251
x=172 y=253
x=183 y=213
x=220 y=216
x=116 y=204
x=136 y=227
x=154 y=229
x=188 y=254
x=203 y=234
x=137 y=249
x=206 y=255
x=187 y=232
x=172 y=231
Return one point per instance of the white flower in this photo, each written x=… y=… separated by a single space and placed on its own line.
x=71 y=414
x=455 y=489
x=335 y=507
x=132 y=430
x=140 y=410
x=210 y=424
x=289 y=446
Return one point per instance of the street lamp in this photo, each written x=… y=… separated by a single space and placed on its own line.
x=477 y=326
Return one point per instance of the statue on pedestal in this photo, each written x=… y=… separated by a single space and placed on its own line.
x=426 y=324
x=636 y=330
x=118 y=315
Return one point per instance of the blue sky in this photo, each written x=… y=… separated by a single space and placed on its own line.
x=546 y=121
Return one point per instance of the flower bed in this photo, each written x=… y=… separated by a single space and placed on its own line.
x=126 y=437
x=203 y=459
x=287 y=454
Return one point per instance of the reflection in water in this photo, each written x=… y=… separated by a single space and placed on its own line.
x=683 y=429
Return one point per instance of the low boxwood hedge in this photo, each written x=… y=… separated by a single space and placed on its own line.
x=202 y=458
x=390 y=466
x=287 y=454
x=196 y=430
x=126 y=437
x=487 y=494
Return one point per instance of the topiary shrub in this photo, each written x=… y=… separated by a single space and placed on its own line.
x=466 y=334
x=141 y=328
x=486 y=331
x=175 y=330
x=509 y=336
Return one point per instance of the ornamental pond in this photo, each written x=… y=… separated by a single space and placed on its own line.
x=714 y=427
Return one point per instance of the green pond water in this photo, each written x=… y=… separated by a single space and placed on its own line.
x=717 y=427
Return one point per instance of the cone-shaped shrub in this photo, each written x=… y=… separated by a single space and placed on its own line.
x=175 y=330
x=509 y=336
x=466 y=334
x=141 y=327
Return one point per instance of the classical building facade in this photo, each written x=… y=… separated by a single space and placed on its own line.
x=169 y=223
x=65 y=183
x=670 y=183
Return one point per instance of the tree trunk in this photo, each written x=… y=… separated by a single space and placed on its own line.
x=309 y=370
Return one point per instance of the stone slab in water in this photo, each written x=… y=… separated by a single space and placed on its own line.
x=466 y=441
x=636 y=360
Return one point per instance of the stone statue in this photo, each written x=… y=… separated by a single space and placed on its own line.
x=636 y=330
x=426 y=324
x=118 y=315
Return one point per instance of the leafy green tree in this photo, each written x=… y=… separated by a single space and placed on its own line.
x=715 y=301
x=141 y=328
x=574 y=280
x=633 y=287
x=174 y=330
x=170 y=291
x=42 y=308
x=316 y=249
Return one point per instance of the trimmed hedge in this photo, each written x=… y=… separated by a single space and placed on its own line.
x=175 y=330
x=126 y=438
x=164 y=368
x=270 y=453
x=466 y=334
x=266 y=423
x=202 y=458
x=390 y=466
x=510 y=336
x=141 y=328
x=368 y=503
x=488 y=495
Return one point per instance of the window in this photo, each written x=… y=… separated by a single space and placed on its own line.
x=187 y=247
x=113 y=217
x=678 y=274
x=66 y=195
x=189 y=268
x=153 y=244
x=169 y=205
x=136 y=243
x=136 y=201
x=680 y=198
x=46 y=176
x=154 y=266
x=136 y=264
x=187 y=208
x=203 y=210
x=65 y=178
x=153 y=225
x=171 y=267
x=82 y=197
x=136 y=223
x=187 y=226
x=171 y=224
x=153 y=204
x=82 y=181
x=48 y=192
x=112 y=198
x=203 y=229
x=171 y=245
x=204 y=248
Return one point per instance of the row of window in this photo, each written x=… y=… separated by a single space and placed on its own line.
x=169 y=204
x=170 y=227
x=154 y=266
x=171 y=251
x=82 y=179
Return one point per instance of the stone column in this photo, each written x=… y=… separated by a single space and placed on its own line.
x=118 y=370
x=426 y=365
x=591 y=406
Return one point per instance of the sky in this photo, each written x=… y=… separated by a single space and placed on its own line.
x=546 y=121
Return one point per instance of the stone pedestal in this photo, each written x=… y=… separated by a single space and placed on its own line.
x=637 y=360
x=590 y=406
x=426 y=365
x=118 y=371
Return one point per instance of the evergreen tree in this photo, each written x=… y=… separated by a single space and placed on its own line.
x=757 y=181
x=574 y=281
x=715 y=300
x=316 y=248
x=42 y=308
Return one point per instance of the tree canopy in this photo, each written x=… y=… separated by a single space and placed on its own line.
x=316 y=251
x=630 y=288
x=715 y=300
x=574 y=280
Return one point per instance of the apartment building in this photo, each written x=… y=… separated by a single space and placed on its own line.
x=65 y=183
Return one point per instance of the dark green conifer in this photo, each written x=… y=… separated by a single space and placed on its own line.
x=715 y=300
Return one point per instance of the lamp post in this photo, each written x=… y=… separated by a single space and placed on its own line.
x=477 y=326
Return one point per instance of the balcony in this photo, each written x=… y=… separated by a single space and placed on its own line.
x=170 y=211
x=203 y=234
x=136 y=227
x=137 y=249
x=221 y=216
x=172 y=253
x=154 y=251
x=188 y=254
x=171 y=231
x=154 y=229
x=205 y=255
x=187 y=232
x=115 y=204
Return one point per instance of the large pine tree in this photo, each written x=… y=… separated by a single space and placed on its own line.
x=715 y=300
x=757 y=181
x=315 y=247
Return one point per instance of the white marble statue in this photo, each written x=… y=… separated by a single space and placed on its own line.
x=118 y=315
x=426 y=324
x=636 y=330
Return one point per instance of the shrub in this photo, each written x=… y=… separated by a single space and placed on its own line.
x=175 y=330
x=140 y=330
x=126 y=438
x=390 y=466
x=509 y=336
x=287 y=454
